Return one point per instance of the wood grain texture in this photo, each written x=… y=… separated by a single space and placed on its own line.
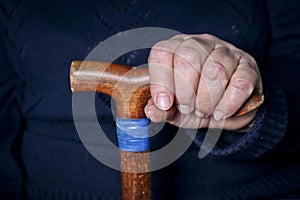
x=128 y=86
x=130 y=89
x=135 y=185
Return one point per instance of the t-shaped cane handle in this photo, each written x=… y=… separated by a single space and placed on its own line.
x=129 y=86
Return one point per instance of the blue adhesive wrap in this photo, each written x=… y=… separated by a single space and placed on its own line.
x=133 y=134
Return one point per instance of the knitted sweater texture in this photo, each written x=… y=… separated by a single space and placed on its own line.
x=41 y=155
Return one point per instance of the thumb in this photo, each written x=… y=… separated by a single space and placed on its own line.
x=157 y=115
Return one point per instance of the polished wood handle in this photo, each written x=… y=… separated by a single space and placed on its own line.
x=128 y=86
x=130 y=89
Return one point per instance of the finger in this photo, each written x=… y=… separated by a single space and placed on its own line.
x=189 y=121
x=240 y=122
x=215 y=75
x=161 y=73
x=183 y=36
x=188 y=59
x=157 y=115
x=242 y=83
x=192 y=121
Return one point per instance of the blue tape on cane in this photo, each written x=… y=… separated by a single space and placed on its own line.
x=133 y=134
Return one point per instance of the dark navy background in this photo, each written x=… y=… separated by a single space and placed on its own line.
x=41 y=156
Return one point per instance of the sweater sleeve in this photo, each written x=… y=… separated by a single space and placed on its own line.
x=11 y=176
x=273 y=131
x=267 y=130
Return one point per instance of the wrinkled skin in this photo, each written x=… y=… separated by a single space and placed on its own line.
x=199 y=80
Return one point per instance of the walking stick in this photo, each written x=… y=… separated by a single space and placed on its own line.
x=130 y=89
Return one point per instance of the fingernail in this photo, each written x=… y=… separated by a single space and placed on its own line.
x=199 y=114
x=184 y=109
x=218 y=115
x=163 y=101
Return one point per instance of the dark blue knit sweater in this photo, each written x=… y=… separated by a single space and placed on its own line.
x=41 y=155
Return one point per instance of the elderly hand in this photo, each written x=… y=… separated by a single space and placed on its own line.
x=200 y=80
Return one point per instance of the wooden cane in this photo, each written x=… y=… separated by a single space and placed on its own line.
x=130 y=89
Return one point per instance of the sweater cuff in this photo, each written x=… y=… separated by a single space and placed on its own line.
x=268 y=129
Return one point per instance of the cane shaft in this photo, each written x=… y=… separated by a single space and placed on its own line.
x=130 y=89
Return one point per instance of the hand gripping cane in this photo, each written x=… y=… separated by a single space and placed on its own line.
x=130 y=89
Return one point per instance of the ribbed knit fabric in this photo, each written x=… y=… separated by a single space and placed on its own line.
x=271 y=185
x=38 y=192
x=265 y=133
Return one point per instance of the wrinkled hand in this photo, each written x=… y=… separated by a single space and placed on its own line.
x=196 y=81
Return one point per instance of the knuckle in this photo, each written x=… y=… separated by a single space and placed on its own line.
x=244 y=84
x=236 y=54
x=228 y=52
x=190 y=42
x=208 y=36
x=199 y=44
x=224 y=55
x=179 y=36
x=162 y=45
x=249 y=60
x=157 y=56
x=186 y=56
x=161 y=49
x=215 y=71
